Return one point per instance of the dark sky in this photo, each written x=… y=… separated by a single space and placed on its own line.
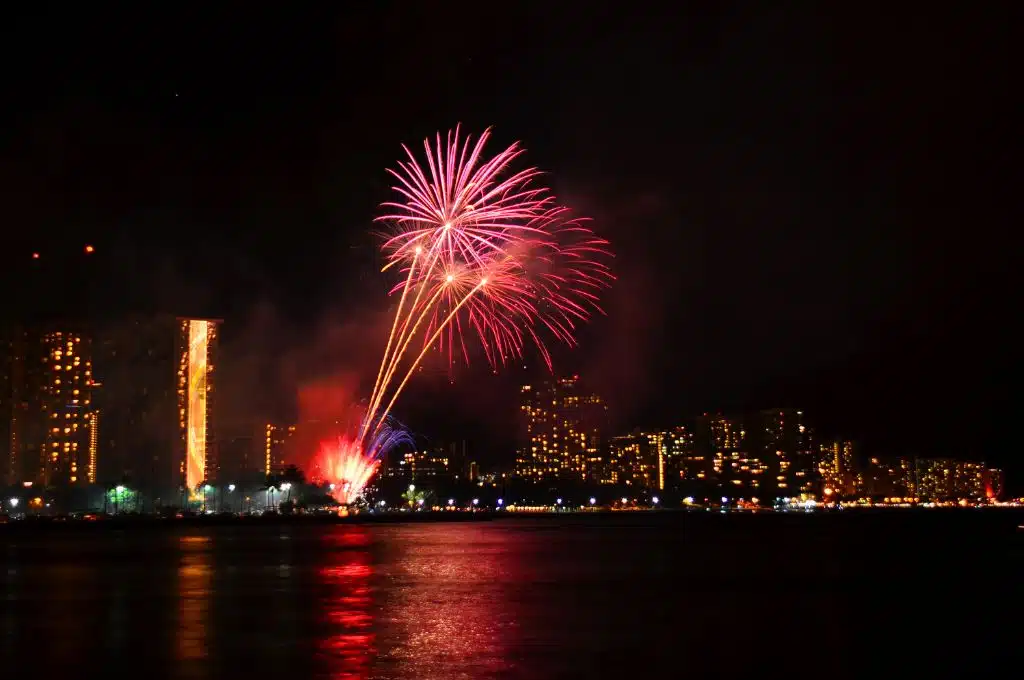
x=805 y=203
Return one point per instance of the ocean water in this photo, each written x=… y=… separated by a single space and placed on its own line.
x=627 y=596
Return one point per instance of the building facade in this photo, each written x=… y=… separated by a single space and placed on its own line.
x=135 y=360
x=561 y=426
x=51 y=420
x=196 y=349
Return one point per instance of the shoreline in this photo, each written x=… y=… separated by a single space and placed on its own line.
x=120 y=523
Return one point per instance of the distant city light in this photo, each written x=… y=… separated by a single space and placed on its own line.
x=451 y=501
x=558 y=501
x=89 y=249
x=688 y=500
x=231 y=487
x=476 y=501
x=593 y=500
x=14 y=502
x=500 y=502
x=655 y=500
x=35 y=256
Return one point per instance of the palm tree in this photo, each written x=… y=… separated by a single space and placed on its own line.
x=272 y=483
x=292 y=476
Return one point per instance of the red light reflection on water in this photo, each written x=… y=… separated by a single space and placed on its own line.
x=445 y=611
x=348 y=645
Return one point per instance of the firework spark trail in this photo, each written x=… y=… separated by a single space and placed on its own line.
x=489 y=254
x=426 y=347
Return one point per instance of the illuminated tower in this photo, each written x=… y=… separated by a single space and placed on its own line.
x=197 y=360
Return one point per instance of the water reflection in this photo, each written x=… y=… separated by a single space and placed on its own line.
x=70 y=590
x=447 y=613
x=346 y=648
x=194 y=576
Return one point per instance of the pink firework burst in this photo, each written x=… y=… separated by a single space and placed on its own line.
x=485 y=253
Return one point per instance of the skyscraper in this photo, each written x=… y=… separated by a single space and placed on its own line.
x=561 y=425
x=277 y=449
x=783 y=445
x=197 y=361
x=136 y=362
x=838 y=470
x=7 y=411
x=718 y=443
x=637 y=460
x=49 y=413
x=69 y=446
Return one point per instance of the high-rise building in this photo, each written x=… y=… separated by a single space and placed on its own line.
x=784 y=449
x=637 y=460
x=993 y=483
x=718 y=442
x=424 y=463
x=896 y=478
x=943 y=479
x=277 y=447
x=196 y=350
x=682 y=462
x=135 y=360
x=9 y=363
x=561 y=429
x=838 y=470
x=64 y=398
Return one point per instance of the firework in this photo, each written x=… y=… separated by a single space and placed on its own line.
x=349 y=464
x=487 y=254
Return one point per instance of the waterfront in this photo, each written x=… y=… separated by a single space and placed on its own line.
x=576 y=596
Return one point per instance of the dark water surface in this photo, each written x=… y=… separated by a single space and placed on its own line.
x=912 y=595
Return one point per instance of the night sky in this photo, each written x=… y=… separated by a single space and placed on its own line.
x=805 y=204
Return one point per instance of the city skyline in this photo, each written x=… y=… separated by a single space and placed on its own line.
x=787 y=231
x=564 y=432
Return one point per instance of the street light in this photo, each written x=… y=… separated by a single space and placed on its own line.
x=119 y=489
x=231 y=487
x=593 y=500
x=14 y=502
x=655 y=500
